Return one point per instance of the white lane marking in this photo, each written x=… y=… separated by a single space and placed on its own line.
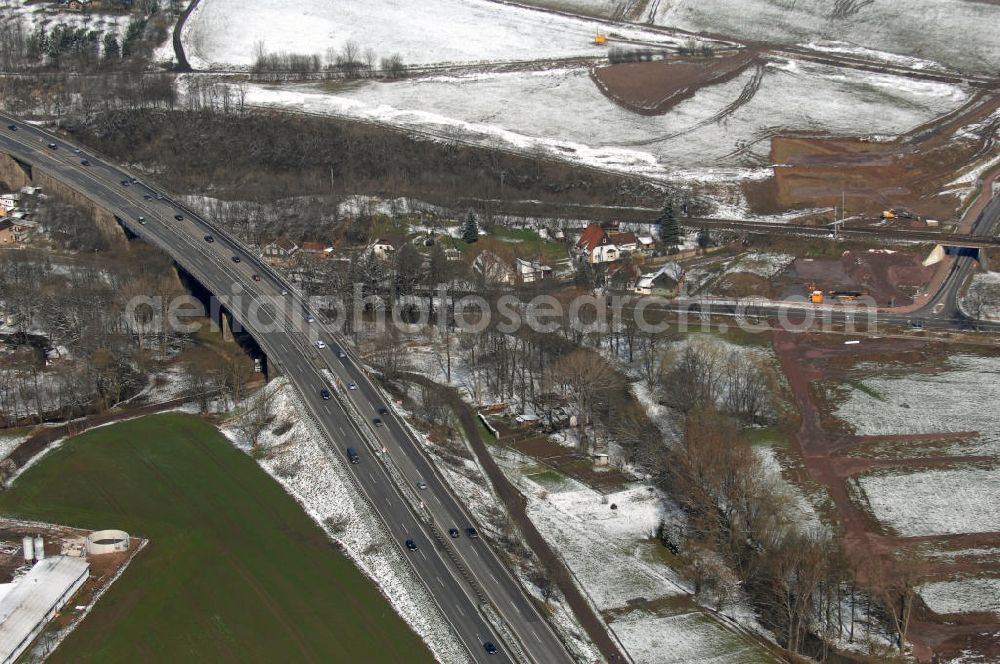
x=371 y=476
x=535 y=634
x=440 y=581
x=459 y=607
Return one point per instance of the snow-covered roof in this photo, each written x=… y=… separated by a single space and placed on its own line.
x=672 y=270
x=45 y=588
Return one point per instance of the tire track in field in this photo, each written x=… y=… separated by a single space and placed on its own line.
x=746 y=95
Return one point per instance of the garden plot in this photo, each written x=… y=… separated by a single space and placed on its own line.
x=934 y=502
x=718 y=135
x=226 y=32
x=956 y=33
x=962 y=596
x=946 y=402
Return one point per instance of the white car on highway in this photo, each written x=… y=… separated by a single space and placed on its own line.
x=320 y=344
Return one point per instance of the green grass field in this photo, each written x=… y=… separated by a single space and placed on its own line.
x=235 y=571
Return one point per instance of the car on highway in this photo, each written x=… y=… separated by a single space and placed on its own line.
x=147 y=197
x=341 y=354
x=178 y=217
x=325 y=393
x=85 y=162
x=125 y=183
x=236 y=259
x=472 y=533
x=411 y=545
x=284 y=292
x=310 y=319
x=377 y=422
x=382 y=410
x=142 y=221
x=12 y=127
x=352 y=385
x=421 y=485
x=256 y=277
x=209 y=238
x=133 y=180
x=917 y=325
x=53 y=146
x=320 y=344
x=453 y=533
x=352 y=454
x=490 y=648
x=159 y=197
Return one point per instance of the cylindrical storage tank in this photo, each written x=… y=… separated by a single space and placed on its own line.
x=39 y=547
x=29 y=548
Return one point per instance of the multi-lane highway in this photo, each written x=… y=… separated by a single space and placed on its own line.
x=476 y=593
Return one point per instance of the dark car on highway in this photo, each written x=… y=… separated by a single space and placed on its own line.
x=178 y=217
x=490 y=648
x=12 y=127
x=382 y=410
x=236 y=259
x=85 y=162
x=453 y=533
x=325 y=394
x=472 y=532
x=53 y=146
x=377 y=422
x=256 y=277
x=411 y=545
x=209 y=238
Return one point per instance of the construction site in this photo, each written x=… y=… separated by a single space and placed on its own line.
x=50 y=577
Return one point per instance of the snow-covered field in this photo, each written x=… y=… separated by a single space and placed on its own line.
x=716 y=136
x=962 y=596
x=951 y=401
x=935 y=502
x=982 y=300
x=956 y=33
x=224 y=32
x=683 y=638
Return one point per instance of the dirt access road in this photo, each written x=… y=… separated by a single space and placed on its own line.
x=808 y=361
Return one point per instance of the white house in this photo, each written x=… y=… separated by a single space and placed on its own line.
x=594 y=246
x=386 y=246
x=665 y=281
x=493 y=268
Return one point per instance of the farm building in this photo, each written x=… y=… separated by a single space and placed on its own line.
x=28 y=604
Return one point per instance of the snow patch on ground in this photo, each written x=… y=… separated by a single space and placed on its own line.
x=224 y=32
x=682 y=638
x=949 y=401
x=962 y=596
x=717 y=136
x=935 y=502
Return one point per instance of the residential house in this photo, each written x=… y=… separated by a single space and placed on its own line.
x=77 y=5
x=595 y=246
x=531 y=271
x=665 y=282
x=622 y=275
x=280 y=250
x=646 y=244
x=627 y=243
x=493 y=268
x=385 y=247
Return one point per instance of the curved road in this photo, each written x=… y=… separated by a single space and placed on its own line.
x=474 y=590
